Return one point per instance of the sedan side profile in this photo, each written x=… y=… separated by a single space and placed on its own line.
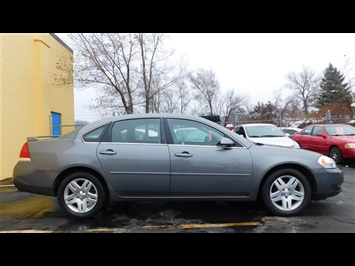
x=170 y=157
x=335 y=140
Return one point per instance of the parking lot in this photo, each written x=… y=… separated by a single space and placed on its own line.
x=27 y=213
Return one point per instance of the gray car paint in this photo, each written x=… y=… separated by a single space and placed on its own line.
x=212 y=172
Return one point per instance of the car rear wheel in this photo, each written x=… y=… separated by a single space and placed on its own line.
x=81 y=195
x=336 y=155
x=286 y=192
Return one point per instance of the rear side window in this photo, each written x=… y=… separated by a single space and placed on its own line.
x=136 y=131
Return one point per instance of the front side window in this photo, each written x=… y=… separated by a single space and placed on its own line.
x=316 y=130
x=193 y=133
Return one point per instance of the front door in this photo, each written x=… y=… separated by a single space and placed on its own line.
x=201 y=168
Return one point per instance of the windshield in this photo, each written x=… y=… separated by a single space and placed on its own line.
x=340 y=130
x=264 y=131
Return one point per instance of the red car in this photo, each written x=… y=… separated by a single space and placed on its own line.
x=335 y=140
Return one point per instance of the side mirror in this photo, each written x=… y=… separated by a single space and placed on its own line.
x=320 y=135
x=226 y=142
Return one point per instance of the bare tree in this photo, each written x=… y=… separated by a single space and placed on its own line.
x=293 y=109
x=184 y=96
x=154 y=79
x=175 y=97
x=283 y=105
x=284 y=111
x=347 y=69
x=129 y=69
x=65 y=72
x=104 y=60
x=305 y=86
x=231 y=104
x=167 y=101
x=207 y=87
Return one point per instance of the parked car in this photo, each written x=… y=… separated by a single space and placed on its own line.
x=263 y=133
x=170 y=157
x=335 y=140
x=230 y=126
x=289 y=131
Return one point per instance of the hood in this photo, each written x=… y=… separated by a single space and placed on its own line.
x=276 y=141
x=344 y=138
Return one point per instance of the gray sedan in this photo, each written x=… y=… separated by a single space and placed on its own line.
x=162 y=157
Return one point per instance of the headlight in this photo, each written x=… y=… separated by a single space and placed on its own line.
x=296 y=145
x=350 y=145
x=327 y=162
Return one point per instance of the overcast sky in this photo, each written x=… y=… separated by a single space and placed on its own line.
x=254 y=64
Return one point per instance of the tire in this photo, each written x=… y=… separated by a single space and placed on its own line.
x=336 y=155
x=286 y=192
x=81 y=195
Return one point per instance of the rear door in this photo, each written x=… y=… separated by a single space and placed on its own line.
x=136 y=159
x=304 y=138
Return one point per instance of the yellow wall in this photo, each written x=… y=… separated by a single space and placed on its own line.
x=29 y=92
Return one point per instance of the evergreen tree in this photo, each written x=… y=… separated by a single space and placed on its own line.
x=264 y=112
x=333 y=91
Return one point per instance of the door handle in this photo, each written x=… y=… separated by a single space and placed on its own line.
x=183 y=154
x=108 y=152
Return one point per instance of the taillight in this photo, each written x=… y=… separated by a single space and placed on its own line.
x=25 y=152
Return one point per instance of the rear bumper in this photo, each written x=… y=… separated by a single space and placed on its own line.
x=27 y=179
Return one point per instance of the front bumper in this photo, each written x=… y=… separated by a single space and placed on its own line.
x=328 y=182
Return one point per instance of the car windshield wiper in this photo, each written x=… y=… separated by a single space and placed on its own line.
x=270 y=136
x=352 y=134
x=252 y=136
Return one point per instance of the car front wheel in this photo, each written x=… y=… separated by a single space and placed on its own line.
x=286 y=192
x=336 y=155
x=81 y=195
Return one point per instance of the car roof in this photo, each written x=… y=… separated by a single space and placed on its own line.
x=336 y=124
x=294 y=128
x=257 y=124
x=106 y=120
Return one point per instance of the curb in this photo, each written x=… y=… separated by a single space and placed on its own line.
x=7 y=182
